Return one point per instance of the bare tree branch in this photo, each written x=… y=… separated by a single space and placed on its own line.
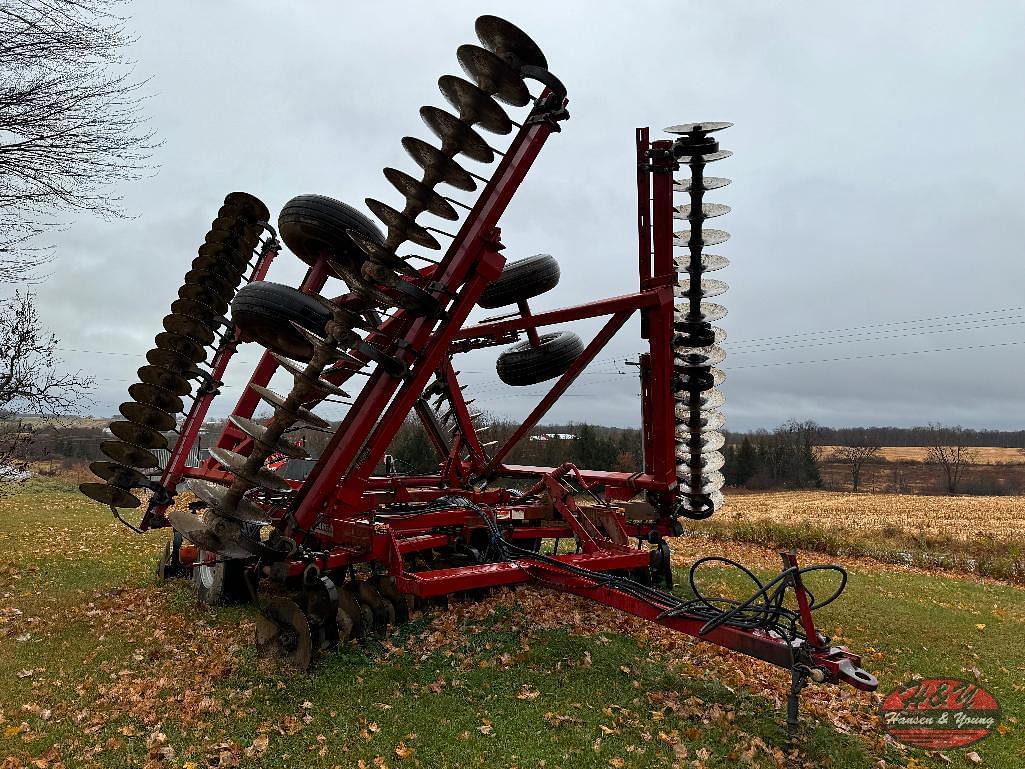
x=948 y=449
x=856 y=455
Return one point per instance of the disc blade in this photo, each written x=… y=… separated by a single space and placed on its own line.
x=358 y=285
x=717 y=374
x=128 y=454
x=509 y=42
x=699 y=356
x=117 y=474
x=190 y=327
x=707 y=183
x=214 y=497
x=158 y=397
x=222 y=536
x=400 y=223
x=704 y=487
x=248 y=205
x=690 y=128
x=181 y=345
x=708 y=211
x=456 y=135
x=714 y=460
x=316 y=382
x=701 y=237
x=474 y=105
x=437 y=166
x=109 y=495
x=218 y=304
x=299 y=412
x=703 y=444
x=709 y=262
x=215 y=279
x=708 y=286
x=147 y=416
x=416 y=192
x=137 y=435
x=236 y=463
x=199 y=311
x=710 y=312
x=709 y=420
x=709 y=399
x=258 y=433
x=493 y=75
x=171 y=361
x=709 y=157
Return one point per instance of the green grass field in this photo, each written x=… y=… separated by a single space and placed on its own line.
x=99 y=666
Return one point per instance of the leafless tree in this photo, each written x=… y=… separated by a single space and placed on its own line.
x=856 y=455
x=948 y=449
x=30 y=382
x=71 y=123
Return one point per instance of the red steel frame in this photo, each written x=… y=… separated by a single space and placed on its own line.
x=337 y=512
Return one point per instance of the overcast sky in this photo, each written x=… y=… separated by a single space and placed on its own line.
x=878 y=178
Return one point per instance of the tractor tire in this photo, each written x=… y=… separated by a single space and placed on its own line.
x=224 y=582
x=522 y=279
x=311 y=225
x=523 y=364
x=265 y=311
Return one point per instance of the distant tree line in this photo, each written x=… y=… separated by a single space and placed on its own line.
x=787 y=457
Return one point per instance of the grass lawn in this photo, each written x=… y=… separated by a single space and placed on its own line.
x=99 y=666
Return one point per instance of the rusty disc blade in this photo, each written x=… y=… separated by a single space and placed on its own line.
x=709 y=262
x=697 y=128
x=283 y=631
x=419 y=194
x=250 y=205
x=373 y=249
x=354 y=280
x=165 y=378
x=227 y=253
x=109 y=495
x=709 y=399
x=474 y=105
x=180 y=345
x=128 y=454
x=201 y=294
x=707 y=183
x=509 y=42
x=138 y=435
x=710 y=311
x=172 y=361
x=188 y=326
x=215 y=279
x=215 y=495
x=197 y=310
x=158 y=397
x=299 y=412
x=710 y=157
x=707 y=287
x=149 y=417
x=456 y=135
x=117 y=474
x=437 y=166
x=709 y=420
x=258 y=433
x=700 y=237
x=236 y=463
x=708 y=211
x=699 y=356
x=493 y=75
x=316 y=382
x=708 y=462
x=221 y=536
x=400 y=223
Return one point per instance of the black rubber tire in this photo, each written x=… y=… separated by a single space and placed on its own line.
x=264 y=312
x=523 y=365
x=221 y=583
x=522 y=279
x=313 y=224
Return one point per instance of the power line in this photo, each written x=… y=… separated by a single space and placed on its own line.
x=877 y=355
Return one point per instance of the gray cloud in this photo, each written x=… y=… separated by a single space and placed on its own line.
x=878 y=177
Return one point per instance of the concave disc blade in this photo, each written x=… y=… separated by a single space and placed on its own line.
x=187 y=326
x=299 y=372
x=181 y=345
x=509 y=42
x=703 y=444
x=709 y=262
x=717 y=374
x=709 y=399
x=700 y=502
x=222 y=536
x=165 y=378
x=493 y=75
x=117 y=474
x=137 y=435
x=217 y=303
x=474 y=105
x=709 y=486
x=171 y=360
x=456 y=135
x=278 y=401
x=248 y=205
x=416 y=192
x=710 y=157
x=214 y=497
x=109 y=495
x=710 y=312
x=354 y=280
x=709 y=287
x=704 y=237
x=437 y=166
x=258 y=433
x=215 y=279
x=707 y=183
x=236 y=463
x=373 y=249
x=690 y=128
x=708 y=211
x=158 y=397
x=680 y=340
x=147 y=416
x=714 y=460
x=197 y=310
x=699 y=356
x=283 y=631
x=399 y=222
x=128 y=454
x=710 y=420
